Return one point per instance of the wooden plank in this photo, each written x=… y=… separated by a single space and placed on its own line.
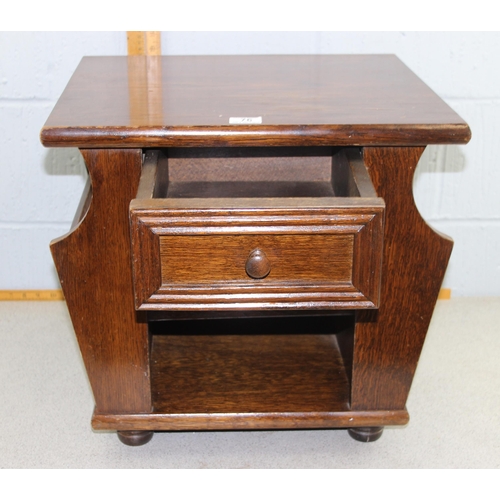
x=193 y=98
x=388 y=341
x=248 y=373
x=247 y=421
x=17 y=295
x=93 y=263
x=246 y=230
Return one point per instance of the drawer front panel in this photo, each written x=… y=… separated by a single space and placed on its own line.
x=220 y=260
x=270 y=258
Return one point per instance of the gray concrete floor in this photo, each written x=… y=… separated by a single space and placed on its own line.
x=454 y=406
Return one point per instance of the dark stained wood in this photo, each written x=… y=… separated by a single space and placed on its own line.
x=249 y=136
x=342 y=178
x=194 y=258
x=388 y=342
x=135 y=438
x=251 y=322
x=293 y=379
x=257 y=265
x=261 y=173
x=320 y=100
x=366 y=434
x=248 y=421
x=311 y=187
x=322 y=252
x=219 y=259
x=247 y=374
x=155 y=316
x=93 y=262
x=84 y=204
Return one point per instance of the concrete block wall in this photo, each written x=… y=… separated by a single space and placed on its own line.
x=455 y=186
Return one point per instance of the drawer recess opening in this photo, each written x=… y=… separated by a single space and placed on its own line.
x=276 y=172
x=307 y=218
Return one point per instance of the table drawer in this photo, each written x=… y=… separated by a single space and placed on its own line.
x=256 y=260
x=255 y=253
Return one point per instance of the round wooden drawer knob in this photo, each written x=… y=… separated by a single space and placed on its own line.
x=258 y=265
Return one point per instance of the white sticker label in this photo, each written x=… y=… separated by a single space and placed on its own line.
x=245 y=120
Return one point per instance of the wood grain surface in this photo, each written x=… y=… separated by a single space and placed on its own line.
x=303 y=100
x=219 y=259
x=248 y=421
x=93 y=262
x=247 y=374
x=193 y=253
x=388 y=342
x=187 y=256
x=195 y=258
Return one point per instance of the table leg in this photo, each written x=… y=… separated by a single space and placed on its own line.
x=93 y=262
x=135 y=438
x=388 y=342
x=366 y=434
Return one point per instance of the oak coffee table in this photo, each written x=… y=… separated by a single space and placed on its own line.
x=248 y=253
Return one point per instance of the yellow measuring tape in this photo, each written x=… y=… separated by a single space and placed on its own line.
x=31 y=295
x=144 y=43
x=444 y=294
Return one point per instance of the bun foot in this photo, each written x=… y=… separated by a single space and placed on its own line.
x=135 y=438
x=365 y=434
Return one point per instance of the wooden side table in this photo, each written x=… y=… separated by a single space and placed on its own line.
x=248 y=254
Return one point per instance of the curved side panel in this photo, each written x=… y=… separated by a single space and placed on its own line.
x=388 y=342
x=94 y=266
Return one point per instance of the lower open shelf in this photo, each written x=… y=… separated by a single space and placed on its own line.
x=239 y=365
x=237 y=374
x=248 y=374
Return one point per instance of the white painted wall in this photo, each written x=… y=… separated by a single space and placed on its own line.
x=455 y=186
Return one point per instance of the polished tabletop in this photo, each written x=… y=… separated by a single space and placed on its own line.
x=141 y=101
